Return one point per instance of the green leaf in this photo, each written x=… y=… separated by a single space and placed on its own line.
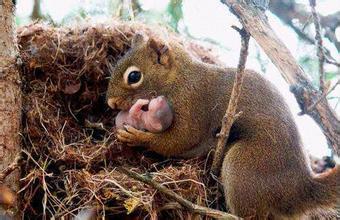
x=175 y=12
x=131 y=204
x=330 y=75
x=310 y=66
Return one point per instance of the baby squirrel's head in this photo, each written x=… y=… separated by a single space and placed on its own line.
x=145 y=71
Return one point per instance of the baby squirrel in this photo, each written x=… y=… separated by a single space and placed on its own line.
x=265 y=172
x=157 y=118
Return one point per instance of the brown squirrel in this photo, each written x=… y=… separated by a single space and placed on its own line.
x=265 y=172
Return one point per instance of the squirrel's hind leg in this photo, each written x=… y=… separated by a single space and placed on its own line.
x=246 y=187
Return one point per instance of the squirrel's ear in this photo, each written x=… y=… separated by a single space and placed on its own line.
x=138 y=39
x=162 y=51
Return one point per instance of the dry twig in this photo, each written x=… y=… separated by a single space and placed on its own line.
x=8 y=170
x=8 y=198
x=304 y=36
x=231 y=115
x=289 y=11
x=324 y=95
x=185 y=203
x=320 y=51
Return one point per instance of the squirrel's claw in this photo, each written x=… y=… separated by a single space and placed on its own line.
x=132 y=136
x=121 y=137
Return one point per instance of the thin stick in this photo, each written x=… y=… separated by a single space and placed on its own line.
x=8 y=170
x=185 y=203
x=332 y=62
x=7 y=196
x=324 y=95
x=320 y=51
x=231 y=115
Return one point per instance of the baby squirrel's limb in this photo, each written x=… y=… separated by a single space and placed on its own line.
x=136 y=109
x=162 y=143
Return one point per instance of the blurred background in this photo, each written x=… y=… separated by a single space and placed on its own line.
x=209 y=22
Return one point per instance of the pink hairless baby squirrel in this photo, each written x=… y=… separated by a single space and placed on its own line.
x=156 y=119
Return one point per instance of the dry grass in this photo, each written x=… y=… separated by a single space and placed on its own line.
x=70 y=150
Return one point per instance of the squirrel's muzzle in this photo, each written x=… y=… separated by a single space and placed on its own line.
x=119 y=103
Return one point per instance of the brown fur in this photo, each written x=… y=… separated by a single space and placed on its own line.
x=264 y=172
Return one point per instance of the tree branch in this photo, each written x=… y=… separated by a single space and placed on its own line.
x=7 y=196
x=320 y=52
x=10 y=168
x=328 y=57
x=185 y=203
x=323 y=96
x=231 y=115
x=288 y=10
x=36 y=12
x=257 y=25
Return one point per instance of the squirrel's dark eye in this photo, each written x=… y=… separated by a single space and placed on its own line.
x=133 y=77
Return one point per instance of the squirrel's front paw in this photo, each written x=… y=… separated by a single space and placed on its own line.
x=133 y=137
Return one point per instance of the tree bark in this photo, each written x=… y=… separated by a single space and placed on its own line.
x=231 y=115
x=256 y=23
x=10 y=97
x=36 y=12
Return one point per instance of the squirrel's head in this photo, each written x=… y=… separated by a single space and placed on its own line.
x=145 y=71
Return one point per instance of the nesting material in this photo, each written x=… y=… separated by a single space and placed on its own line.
x=70 y=149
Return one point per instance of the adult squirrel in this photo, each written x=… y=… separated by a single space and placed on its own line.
x=265 y=172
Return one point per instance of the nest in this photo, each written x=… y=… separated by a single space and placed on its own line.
x=71 y=153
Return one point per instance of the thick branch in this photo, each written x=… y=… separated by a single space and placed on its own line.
x=10 y=95
x=257 y=25
x=230 y=115
x=36 y=12
x=185 y=203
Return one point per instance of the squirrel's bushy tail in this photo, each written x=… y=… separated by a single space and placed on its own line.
x=316 y=193
x=326 y=187
x=322 y=191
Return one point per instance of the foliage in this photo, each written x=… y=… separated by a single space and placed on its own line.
x=175 y=12
x=310 y=65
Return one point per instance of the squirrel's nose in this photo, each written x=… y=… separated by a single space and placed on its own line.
x=112 y=102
